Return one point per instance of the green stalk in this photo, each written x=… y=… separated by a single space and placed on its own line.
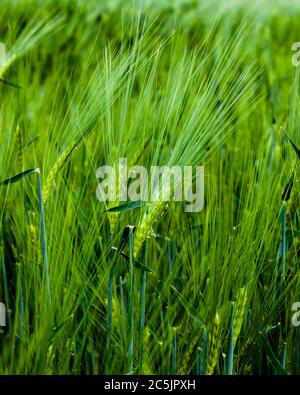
x=284 y=247
x=3 y=277
x=198 y=362
x=131 y=304
x=174 y=354
x=109 y=307
x=283 y=356
x=230 y=355
x=142 y=318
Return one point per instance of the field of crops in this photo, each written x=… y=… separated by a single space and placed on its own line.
x=145 y=287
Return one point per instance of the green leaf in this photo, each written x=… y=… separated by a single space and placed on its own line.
x=19 y=177
x=288 y=189
x=124 y=238
x=10 y=84
x=272 y=358
x=31 y=141
x=125 y=207
x=136 y=263
x=188 y=307
x=297 y=150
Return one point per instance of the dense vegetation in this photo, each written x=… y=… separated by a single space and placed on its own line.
x=153 y=289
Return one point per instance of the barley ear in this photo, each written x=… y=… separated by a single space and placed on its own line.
x=185 y=368
x=240 y=310
x=144 y=229
x=52 y=176
x=214 y=344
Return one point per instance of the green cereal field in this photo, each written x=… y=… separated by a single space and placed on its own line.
x=104 y=271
